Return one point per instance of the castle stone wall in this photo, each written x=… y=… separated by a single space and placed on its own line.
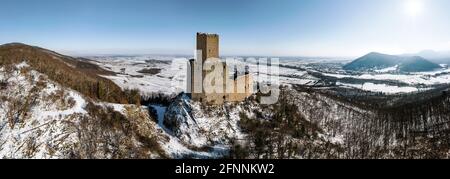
x=234 y=90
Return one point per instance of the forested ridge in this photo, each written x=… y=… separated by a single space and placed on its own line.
x=77 y=74
x=307 y=123
x=413 y=126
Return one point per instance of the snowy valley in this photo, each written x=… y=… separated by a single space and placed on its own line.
x=323 y=111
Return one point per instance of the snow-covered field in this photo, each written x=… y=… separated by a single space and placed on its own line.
x=50 y=128
x=170 y=79
x=383 y=88
x=419 y=78
x=173 y=75
x=389 y=69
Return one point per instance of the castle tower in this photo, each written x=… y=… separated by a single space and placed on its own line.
x=208 y=45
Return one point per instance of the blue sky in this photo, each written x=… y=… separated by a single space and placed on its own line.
x=247 y=27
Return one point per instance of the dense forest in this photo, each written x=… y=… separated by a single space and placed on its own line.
x=280 y=131
x=295 y=128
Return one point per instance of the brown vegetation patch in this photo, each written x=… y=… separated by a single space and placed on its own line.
x=109 y=133
x=3 y=84
x=150 y=71
x=85 y=65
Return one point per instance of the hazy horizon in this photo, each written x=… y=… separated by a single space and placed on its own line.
x=291 y=28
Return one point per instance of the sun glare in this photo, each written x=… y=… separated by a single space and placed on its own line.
x=414 y=7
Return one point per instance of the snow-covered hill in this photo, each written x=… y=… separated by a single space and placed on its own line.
x=378 y=61
x=55 y=106
x=40 y=118
x=200 y=127
x=43 y=116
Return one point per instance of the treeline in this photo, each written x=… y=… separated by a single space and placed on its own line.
x=415 y=130
x=421 y=129
x=68 y=72
x=157 y=98
x=308 y=124
x=378 y=100
x=408 y=128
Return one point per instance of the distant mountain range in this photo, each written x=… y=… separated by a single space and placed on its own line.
x=378 y=61
x=434 y=56
x=431 y=54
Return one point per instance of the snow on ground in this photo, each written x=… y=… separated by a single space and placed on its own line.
x=338 y=139
x=196 y=127
x=339 y=75
x=169 y=81
x=387 y=89
x=410 y=79
x=176 y=148
x=44 y=127
x=426 y=78
x=48 y=128
x=435 y=72
x=160 y=111
x=179 y=151
x=386 y=70
x=173 y=76
x=40 y=118
x=22 y=65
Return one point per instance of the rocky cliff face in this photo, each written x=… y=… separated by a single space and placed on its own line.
x=203 y=128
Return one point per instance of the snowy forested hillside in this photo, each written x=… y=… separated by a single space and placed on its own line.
x=54 y=106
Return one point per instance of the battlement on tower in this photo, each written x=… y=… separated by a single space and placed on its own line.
x=207 y=34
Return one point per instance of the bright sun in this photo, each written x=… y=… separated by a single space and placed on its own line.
x=414 y=7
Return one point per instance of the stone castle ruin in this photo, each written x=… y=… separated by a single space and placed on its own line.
x=209 y=79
